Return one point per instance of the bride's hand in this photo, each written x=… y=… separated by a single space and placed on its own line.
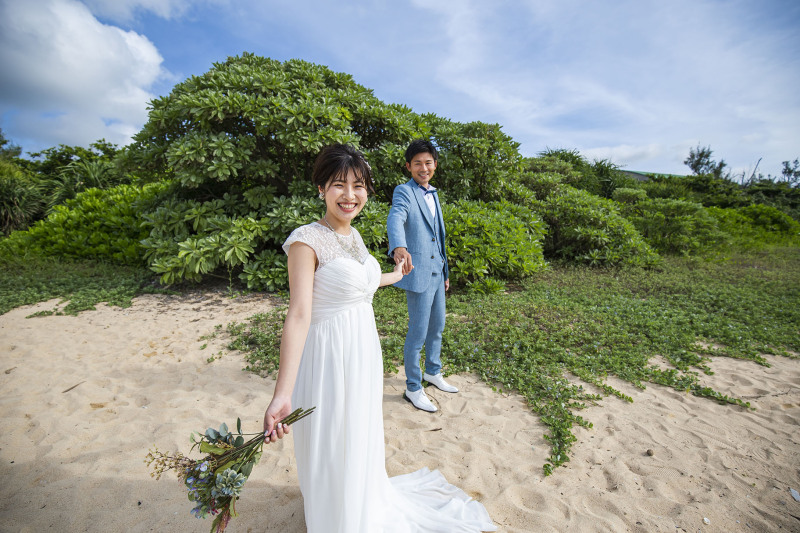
x=279 y=408
x=398 y=267
x=390 y=278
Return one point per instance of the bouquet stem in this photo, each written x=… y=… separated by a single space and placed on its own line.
x=215 y=481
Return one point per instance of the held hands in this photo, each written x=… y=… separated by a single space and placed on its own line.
x=390 y=278
x=402 y=257
x=279 y=408
x=394 y=276
x=399 y=267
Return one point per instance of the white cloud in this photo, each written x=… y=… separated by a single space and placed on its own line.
x=60 y=64
x=625 y=152
x=124 y=10
x=629 y=81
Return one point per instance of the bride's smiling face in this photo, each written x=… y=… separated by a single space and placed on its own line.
x=344 y=198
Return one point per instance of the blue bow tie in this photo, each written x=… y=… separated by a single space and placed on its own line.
x=427 y=191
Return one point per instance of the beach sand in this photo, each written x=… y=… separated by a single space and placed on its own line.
x=84 y=398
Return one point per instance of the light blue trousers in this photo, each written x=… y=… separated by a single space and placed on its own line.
x=426 y=312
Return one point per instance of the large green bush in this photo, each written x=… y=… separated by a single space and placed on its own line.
x=589 y=229
x=477 y=161
x=757 y=225
x=780 y=196
x=96 y=224
x=239 y=143
x=600 y=177
x=491 y=241
x=670 y=226
x=253 y=121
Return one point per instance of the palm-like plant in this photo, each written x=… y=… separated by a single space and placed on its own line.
x=20 y=198
x=77 y=177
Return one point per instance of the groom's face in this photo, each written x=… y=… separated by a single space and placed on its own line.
x=422 y=167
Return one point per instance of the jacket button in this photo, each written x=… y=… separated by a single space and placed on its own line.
x=431 y=257
x=433 y=240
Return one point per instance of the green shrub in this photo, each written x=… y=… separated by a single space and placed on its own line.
x=79 y=176
x=600 y=177
x=780 y=195
x=239 y=142
x=96 y=224
x=253 y=121
x=491 y=240
x=589 y=229
x=21 y=200
x=757 y=226
x=771 y=219
x=629 y=196
x=189 y=239
x=659 y=186
x=670 y=226
x=476 y=162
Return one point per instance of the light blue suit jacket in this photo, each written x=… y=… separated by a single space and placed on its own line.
x=411 y=226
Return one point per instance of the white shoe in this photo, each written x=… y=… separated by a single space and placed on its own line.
x=419 y=400
x=439 y=382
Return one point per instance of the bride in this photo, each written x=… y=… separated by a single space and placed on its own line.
x=330 y=358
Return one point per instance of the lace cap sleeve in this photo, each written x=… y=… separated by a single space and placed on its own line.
x=325 y=243
x=305 y=234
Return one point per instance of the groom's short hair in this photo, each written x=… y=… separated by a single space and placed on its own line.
x=421 y=146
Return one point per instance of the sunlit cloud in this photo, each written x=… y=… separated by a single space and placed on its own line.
x=126 y=10
x=66 y=64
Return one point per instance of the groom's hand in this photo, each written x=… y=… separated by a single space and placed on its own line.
x=401 y=254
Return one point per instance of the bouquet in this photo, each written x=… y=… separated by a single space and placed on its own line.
x=215 y=481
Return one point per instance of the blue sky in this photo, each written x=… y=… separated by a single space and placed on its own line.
x=639 y=82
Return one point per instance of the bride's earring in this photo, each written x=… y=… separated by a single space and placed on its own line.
x=321 y=195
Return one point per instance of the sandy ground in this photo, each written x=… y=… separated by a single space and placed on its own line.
x=83 y=398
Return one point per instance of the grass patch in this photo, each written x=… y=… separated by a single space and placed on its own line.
x=80 y=285
x=593 y=323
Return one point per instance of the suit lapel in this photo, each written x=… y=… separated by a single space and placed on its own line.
x=423 y=206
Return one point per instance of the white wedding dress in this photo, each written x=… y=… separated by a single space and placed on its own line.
x=340 y=448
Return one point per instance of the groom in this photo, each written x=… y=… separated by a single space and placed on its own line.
x=416 y=234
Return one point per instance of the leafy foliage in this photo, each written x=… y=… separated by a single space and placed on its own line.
x=102 y=225
x=253 y=121
x=50 y=162
x=239 y=143
x=79 y=176
x=477 y=161
x=589 y=229
x=600 y=177
x=711 y=191
x=757 y=226
x=8 y=150
x=670 y=226
x=21 y=199
x=30 y=189
x=790 y=173
x=781 y=195
x=492 y=240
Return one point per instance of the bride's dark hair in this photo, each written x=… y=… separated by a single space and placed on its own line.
x=335 y=161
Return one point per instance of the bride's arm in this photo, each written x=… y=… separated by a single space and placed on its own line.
x=302 y=263
x=390 y=278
